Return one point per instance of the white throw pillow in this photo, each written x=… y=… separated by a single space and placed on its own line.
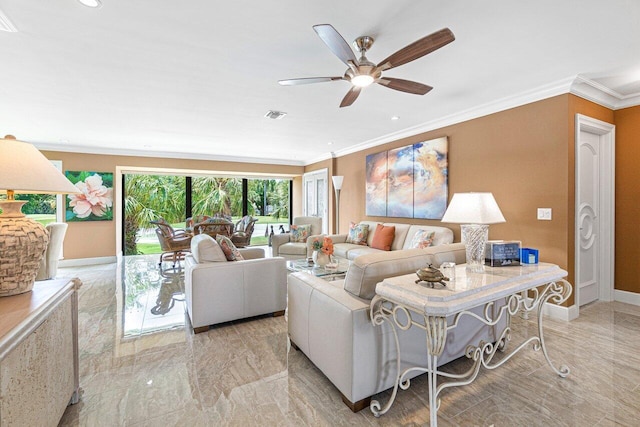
x=204 y=248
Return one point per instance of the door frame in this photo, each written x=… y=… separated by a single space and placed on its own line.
x=314 y=175
x=606 y=208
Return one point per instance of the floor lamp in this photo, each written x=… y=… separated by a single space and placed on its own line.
x=337 y=186
x=23 y=169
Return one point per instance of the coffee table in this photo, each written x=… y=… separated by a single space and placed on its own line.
x=302 y=265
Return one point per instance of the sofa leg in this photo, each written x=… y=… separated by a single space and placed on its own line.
x=200 y=329
x=356 y=406
x=278 y=313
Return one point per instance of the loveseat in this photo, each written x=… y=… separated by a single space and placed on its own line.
x=404 y=237
x=217 y=290
x=329 y=322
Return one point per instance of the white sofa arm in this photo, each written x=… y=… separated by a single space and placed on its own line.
x=277 y=240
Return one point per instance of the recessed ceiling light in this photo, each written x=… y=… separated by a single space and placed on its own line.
x=329 y=143
x=91 y=3
x=395 y=118
x=276 y=115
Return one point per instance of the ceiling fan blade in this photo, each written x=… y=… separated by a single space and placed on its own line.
x=336 y=43
x=350 y=97
x=307 y=80
x=418 y=49
x=405 y=85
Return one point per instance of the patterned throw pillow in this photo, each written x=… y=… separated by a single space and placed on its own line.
x=358 y=234
x=422 y=239
x=299 y=233
x=230 y=251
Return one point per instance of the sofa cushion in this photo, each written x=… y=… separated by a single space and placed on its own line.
x=367 y=270
x=300 y=233
x=400 y=235
x=442 y=235
x=230 y=251
x=293 y=248
x=422 y=239
x=383 y=237
x=358 y=233
x=205 y=249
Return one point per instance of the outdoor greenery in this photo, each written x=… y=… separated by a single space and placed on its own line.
x=149 y=197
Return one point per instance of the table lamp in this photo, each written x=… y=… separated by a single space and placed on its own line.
x=337 y=186
x=474 y=211
x=23 y=241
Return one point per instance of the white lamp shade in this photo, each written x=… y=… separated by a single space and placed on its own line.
x=473 y=208
x=24 y=169
x=337 y=182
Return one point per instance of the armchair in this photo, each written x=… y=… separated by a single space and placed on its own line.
x=218 y=291
x=49 y=263
x=173 y=243
x=284 y=247
x=241 y=237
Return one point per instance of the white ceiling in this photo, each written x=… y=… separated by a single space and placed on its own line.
x=194 y=79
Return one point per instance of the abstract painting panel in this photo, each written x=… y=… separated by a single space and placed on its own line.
x=400 y=182
x=409 y=181
x=376 y=189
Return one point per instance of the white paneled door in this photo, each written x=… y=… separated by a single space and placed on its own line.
x=315 y=196
x=594 y=210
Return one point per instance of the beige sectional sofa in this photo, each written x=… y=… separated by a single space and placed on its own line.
x=403 y=238
x=329 y=322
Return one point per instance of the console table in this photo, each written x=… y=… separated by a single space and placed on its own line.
x=522 y=288
x=39 y=353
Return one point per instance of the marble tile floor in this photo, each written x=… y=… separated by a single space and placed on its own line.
x=245 y=373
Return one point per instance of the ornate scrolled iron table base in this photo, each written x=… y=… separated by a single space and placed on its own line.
x=436 y=329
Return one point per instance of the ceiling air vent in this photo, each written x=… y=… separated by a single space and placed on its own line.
x=275 y=115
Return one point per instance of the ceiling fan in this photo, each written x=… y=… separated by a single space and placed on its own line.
x=362 y=72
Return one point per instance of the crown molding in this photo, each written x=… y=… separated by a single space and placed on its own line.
x=542 y=92
x=163 y=154
x=602 y=95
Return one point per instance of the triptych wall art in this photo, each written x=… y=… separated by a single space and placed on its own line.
x=408 y=182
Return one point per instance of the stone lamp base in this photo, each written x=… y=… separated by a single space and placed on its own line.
x=22 y=245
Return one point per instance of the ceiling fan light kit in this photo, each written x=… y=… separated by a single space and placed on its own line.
x=362 y=72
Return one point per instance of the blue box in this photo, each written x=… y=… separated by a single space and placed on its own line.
x=528 y=256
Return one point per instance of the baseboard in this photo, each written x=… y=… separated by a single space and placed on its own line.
x=86 y=261
x=560 y=312
x=626 y=297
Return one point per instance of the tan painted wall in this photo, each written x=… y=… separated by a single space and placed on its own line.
x=98 y=239
x=627 y=198
x=524 y=156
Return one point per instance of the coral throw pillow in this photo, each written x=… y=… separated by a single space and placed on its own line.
x=230 y=251
x=299 y=233
x=383 y=237
x=358 y=234
x=422 y=239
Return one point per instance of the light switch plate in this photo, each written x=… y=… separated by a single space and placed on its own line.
x=544 y=214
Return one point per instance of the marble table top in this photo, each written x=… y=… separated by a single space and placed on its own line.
x=468 y=290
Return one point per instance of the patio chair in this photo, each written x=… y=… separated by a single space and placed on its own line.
x=244 y=229
x=173 y=243
x=214 y=226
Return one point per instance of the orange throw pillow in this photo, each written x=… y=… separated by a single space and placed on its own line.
x=383 y=238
